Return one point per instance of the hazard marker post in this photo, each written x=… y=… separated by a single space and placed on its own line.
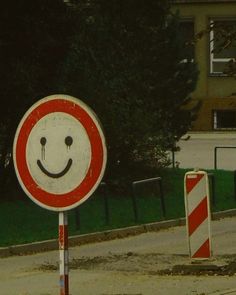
x=63 y=253
x=198 y=217
x=59 y=157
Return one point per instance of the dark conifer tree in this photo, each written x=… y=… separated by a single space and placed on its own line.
x=126 y=61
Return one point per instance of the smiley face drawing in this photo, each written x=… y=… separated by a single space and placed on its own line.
x=43 y=141
x=59 y=152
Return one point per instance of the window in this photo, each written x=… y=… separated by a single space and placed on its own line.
x=225 y=119
x=222 y=45
x=186 y=28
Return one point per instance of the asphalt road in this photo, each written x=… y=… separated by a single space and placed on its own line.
x=129 y=266
x=198 y=151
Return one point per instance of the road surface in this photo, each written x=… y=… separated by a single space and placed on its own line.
x=138 y=265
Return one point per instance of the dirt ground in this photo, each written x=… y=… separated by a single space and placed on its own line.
x=154 y=263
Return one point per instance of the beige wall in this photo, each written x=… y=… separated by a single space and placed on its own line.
x=212 y=90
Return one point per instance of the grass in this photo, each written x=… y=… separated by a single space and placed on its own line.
x=23 y=221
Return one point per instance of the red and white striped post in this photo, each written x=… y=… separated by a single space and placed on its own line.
x=198 y=215
x=64 y=253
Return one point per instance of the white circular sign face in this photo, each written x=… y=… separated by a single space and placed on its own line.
x=59 y=152
x=58 y=148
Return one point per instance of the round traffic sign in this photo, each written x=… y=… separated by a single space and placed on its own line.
x=59 y=152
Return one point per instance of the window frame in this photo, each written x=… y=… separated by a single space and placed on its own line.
x=213 y=59
x=215 y=121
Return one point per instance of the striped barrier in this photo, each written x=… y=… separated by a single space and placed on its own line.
x=198 y=215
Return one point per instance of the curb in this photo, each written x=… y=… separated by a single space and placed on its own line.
x=120 y=233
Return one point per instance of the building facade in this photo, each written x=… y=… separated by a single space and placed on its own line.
x=213 y=50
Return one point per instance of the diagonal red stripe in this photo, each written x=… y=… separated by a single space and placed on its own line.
x=198 y=215
x=63 y=237
x=203 y=251
x=192 y=180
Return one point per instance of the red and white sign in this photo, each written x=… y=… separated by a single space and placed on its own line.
x=198 y=214
x=59 y=152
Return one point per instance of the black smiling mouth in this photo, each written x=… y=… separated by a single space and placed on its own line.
x=55 y=175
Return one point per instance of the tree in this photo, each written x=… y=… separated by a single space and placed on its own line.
x=126 y=62
x=33 y=42
x=121 y=57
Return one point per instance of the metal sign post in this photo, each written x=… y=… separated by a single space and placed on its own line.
x=63 y=253
x=60 y=158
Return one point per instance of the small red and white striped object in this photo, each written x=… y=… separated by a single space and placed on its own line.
x=64 y=253
x=198 y=215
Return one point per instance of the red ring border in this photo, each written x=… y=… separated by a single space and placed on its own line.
x=75 y=196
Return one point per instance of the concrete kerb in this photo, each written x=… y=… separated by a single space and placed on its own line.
x=50 y=245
